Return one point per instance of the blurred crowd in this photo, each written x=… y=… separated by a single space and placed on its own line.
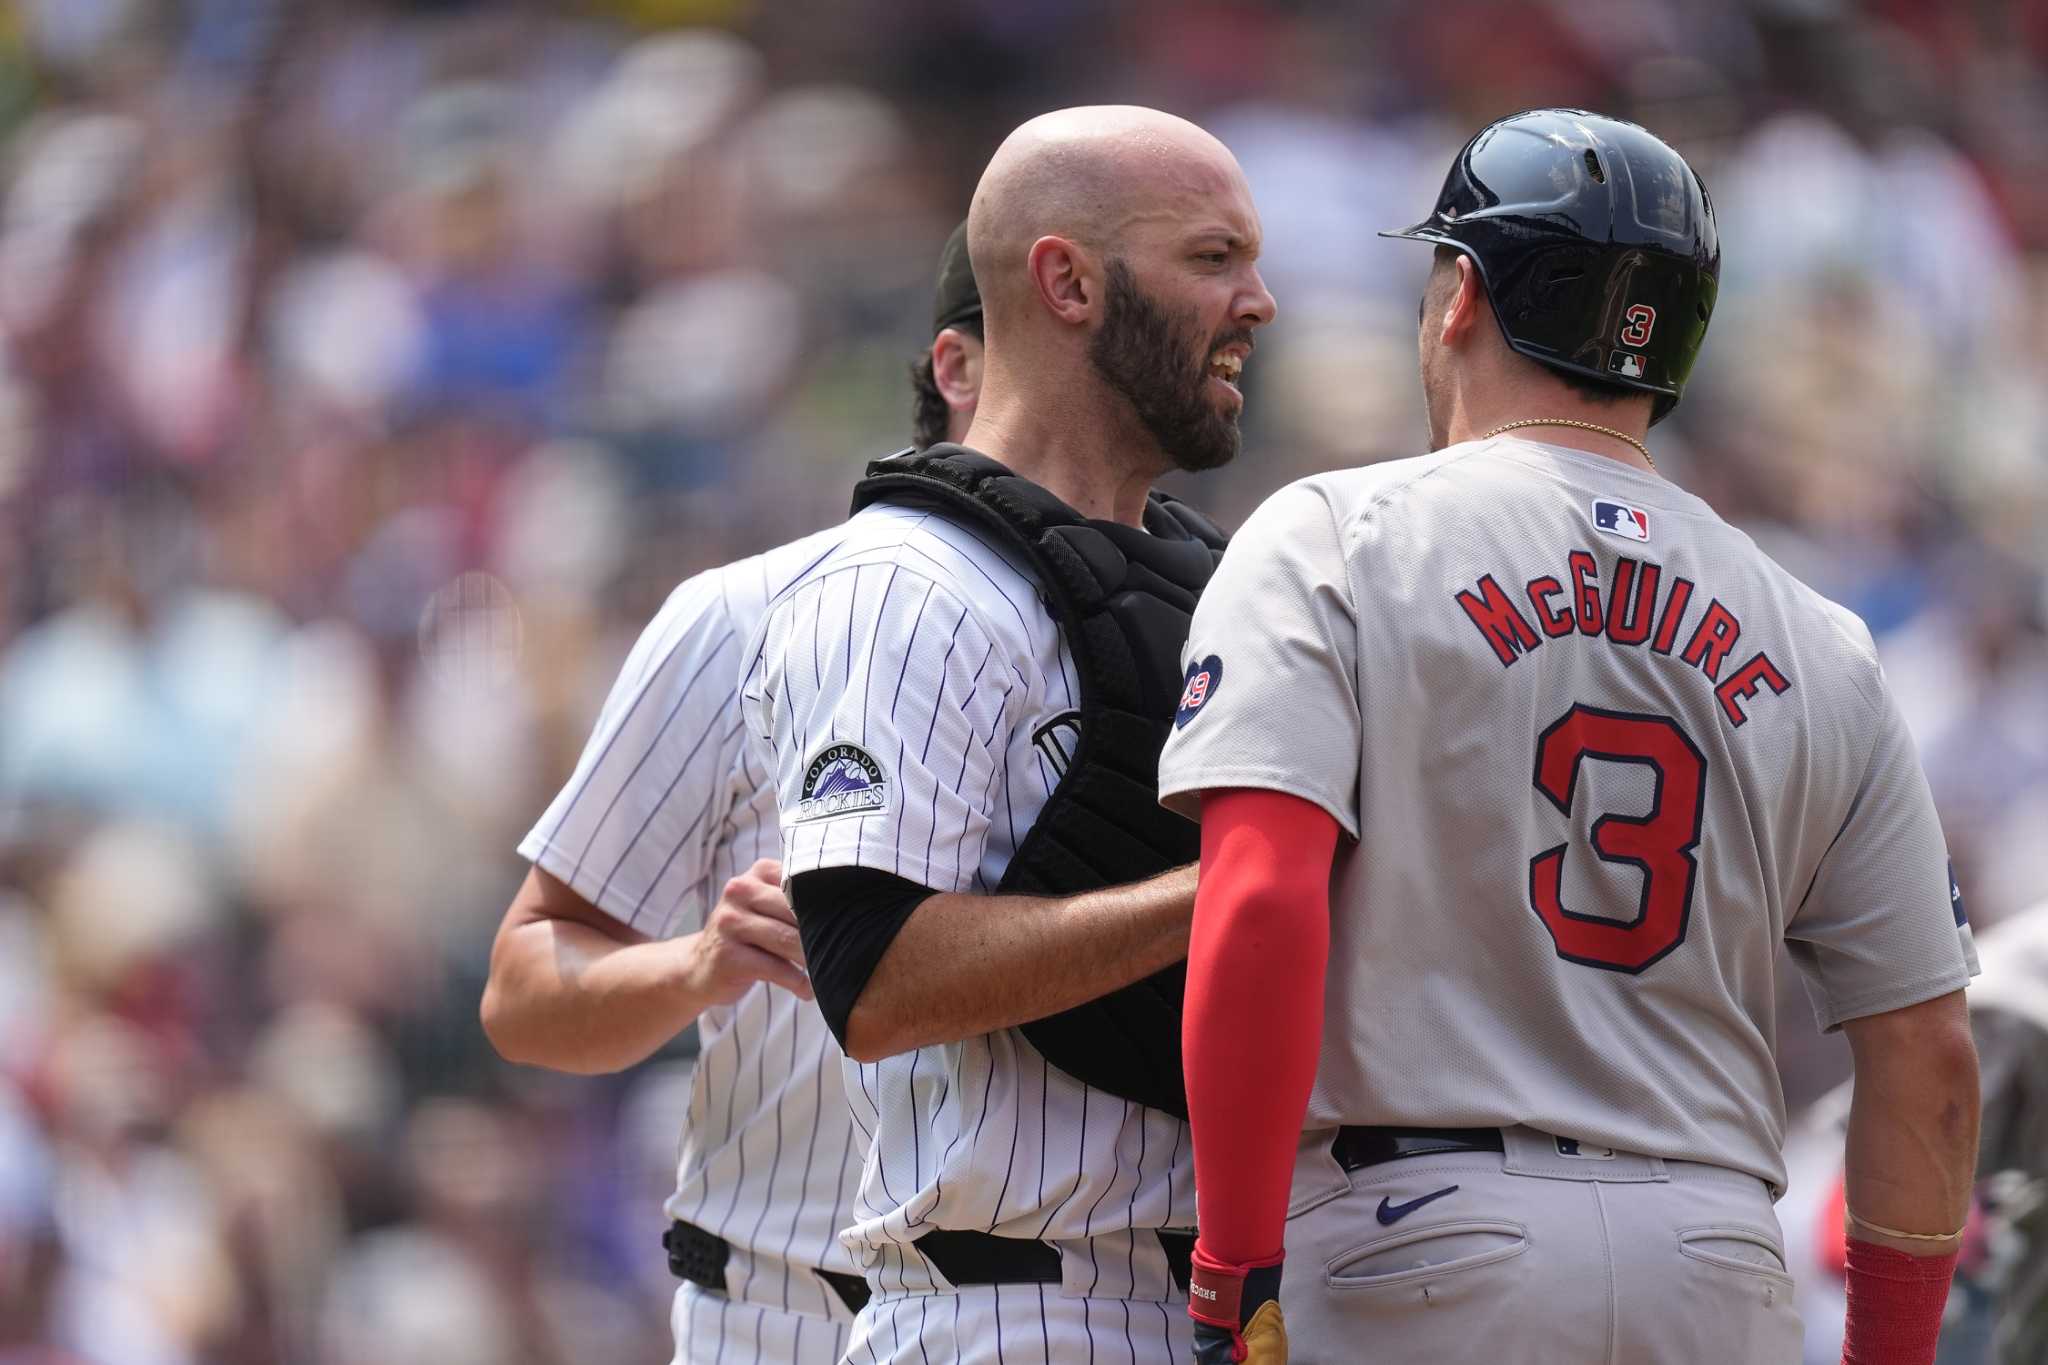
x=370 y=371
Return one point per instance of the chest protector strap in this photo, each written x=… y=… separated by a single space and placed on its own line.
x=1123 y=599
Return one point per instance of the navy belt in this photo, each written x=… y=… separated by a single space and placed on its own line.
x=699 y=1257
x=983 y=1258
x=1359 y=1147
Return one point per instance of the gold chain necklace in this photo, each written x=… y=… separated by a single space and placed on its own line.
x=1583 y=426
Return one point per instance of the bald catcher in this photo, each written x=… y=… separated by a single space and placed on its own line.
x=963 y=704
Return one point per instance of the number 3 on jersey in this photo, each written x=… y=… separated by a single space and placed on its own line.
x=1659 y=845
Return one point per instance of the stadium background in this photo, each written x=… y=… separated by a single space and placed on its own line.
x=370 y=371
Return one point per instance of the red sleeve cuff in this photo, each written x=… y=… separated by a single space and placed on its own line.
x=1895 y=1304
x=1224 y=1295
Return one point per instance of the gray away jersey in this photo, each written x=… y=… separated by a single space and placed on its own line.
x=921 y=705
x=1598 y=755
x=667 y=805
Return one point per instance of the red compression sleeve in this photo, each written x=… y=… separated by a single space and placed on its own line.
x=1254 y=1021
x=1895 y=1302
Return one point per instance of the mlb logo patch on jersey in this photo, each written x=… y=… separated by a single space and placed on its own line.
x=1620 y=519
x=843 y=780
x=1584 y=1151
x=1204 y=677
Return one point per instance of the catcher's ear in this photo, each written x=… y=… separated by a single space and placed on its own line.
x=1066 y=280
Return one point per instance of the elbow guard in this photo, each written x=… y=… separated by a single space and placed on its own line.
x=847 y=918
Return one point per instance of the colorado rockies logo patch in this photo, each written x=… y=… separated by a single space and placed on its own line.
x=843 y=780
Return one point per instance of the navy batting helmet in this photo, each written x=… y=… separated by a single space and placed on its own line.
x=1595 y=242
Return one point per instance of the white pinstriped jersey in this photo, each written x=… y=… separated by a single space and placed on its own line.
x=919 y=702
x=666 y=805
x=1599 y=756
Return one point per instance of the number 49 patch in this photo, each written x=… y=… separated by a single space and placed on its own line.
x=1203 y=678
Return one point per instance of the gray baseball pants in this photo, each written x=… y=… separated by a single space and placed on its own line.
x=1547 y=1254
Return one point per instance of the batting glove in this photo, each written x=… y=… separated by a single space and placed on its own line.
x=1237 y=1314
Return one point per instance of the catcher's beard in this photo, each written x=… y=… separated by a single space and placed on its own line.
x=1154 y=357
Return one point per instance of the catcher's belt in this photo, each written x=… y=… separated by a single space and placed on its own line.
x=983 y=1258
x=700 y=1256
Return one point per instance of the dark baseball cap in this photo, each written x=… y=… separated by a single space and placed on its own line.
x=958 y=299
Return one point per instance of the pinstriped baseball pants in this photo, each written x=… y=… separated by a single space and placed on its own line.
x=1018 y=1324
x=711 y=1329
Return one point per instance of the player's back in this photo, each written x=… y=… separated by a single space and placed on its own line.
x=665 y=806
x=1607 y=746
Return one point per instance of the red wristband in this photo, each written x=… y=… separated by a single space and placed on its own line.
x=1895 y=1304
x=1216 y=1289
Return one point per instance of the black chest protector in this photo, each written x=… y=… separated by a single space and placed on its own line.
x=1123 y=599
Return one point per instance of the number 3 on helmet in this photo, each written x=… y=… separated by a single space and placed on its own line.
x=1637 y=322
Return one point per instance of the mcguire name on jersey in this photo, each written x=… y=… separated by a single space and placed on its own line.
x=1638 y=608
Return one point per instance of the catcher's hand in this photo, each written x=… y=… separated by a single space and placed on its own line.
x=1237 y=1314
x=749 y=936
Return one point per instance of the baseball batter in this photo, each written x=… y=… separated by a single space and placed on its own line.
x=925 y=710
x=1515 y=764
x=655 y=900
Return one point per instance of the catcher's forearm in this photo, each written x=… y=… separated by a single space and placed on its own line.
x=962 y=965
x=1254 y=1019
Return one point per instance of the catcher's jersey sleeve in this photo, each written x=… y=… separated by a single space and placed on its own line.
x=1285 y=570
x=1883 y=925
x=887 y=696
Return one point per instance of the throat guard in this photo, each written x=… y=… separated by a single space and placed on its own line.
x=1123 y=599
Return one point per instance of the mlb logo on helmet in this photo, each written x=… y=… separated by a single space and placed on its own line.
x=1619 y=519
x=1626 y=365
